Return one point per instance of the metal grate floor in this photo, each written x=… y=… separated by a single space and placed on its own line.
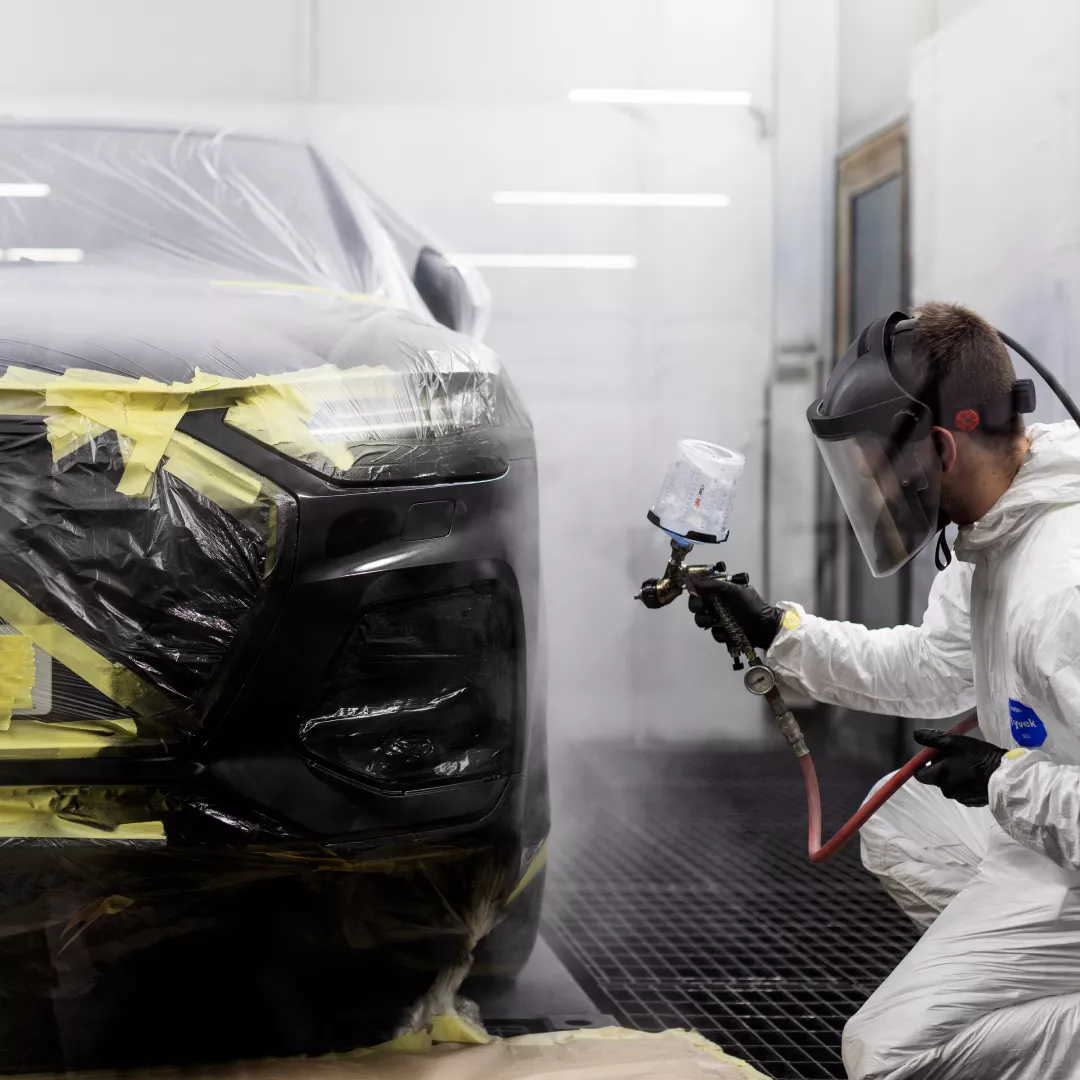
x=680 y=895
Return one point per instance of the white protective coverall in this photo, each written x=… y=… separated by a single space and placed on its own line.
x=992 y=989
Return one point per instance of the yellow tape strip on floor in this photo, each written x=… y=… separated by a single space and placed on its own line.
x=113 y=680
x=607 y=1053
x=17 y=671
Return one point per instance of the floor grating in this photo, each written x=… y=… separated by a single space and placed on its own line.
x=680 y=895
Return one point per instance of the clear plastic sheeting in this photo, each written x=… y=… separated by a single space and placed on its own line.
x=350 y=388
x=107 y=944
x=219 y=389
x=174 y=203
x=136 y=598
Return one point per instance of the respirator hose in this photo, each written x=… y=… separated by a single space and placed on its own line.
x=818 y=851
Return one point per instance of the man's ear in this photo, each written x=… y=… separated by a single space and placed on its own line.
x=945 y=444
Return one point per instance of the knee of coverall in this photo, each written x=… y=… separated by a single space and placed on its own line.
x=869 y=1047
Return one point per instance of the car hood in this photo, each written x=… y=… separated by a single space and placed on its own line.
x=167 y=330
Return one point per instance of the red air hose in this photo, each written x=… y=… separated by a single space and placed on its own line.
x=818 y=851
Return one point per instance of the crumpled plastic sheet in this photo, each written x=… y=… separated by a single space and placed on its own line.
x=157 y=584
x=124 y=932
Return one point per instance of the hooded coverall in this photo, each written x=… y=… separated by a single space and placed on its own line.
x=992 y=989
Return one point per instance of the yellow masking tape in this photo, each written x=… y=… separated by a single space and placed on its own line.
x=791 y=620
x=219 y=478
x=68 y=431
x=279 y=417
x=113 y=680
x=1014 y=753
x=451 y=1028
x=16 y=675
x=92 y=913
x=27 y=737
x=148 y=419
x=20 y=821
x=285 y=286
x=277 y=410
x=536 y=864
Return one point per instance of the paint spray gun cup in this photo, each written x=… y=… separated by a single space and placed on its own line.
x=696 y=497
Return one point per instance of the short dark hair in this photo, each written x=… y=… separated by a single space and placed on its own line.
x=961 y=363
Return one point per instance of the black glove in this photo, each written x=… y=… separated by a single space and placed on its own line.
x=760 y=621
x=961 y=767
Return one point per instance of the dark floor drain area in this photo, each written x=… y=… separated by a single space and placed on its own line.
x=680 y=895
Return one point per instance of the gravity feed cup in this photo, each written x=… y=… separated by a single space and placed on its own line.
x=694 y=504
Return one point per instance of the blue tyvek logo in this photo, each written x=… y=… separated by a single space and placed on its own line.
x=1027 y=728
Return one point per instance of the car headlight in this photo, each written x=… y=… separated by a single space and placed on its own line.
x=376 y=425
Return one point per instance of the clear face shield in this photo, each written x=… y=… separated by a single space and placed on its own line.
x=891 y=494
x=876 y=438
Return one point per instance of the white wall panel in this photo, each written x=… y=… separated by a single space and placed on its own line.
x=201 y=50
x=996 y=168
x=523 y=52
x=876 y=39
x=806 y=143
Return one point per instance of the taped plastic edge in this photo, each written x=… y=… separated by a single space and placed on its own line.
x=32 y=813
x=82 y=920
x=444 y=1028
x=17 y=673
x=536 y=864
x=27 y=737
x=219 y=478
x=113 y=680
x=275 y=410
x=69 y=431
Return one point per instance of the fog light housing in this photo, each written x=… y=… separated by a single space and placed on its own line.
x=422 y=691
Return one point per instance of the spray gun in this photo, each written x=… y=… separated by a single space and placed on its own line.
x=759 y=679
x=694 y=506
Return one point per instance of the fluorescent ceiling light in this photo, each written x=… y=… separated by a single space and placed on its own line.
x=50 y=255
x=611 y=198
x=588 y=96
x=547 y=262
x=24 y=191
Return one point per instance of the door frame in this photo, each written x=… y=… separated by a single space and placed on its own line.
x=874 y=161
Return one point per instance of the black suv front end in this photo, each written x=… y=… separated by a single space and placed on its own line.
x=274 y=750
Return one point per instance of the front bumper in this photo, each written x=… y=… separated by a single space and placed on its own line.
x=227 y=892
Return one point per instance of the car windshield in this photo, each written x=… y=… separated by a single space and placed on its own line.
x=224 y=208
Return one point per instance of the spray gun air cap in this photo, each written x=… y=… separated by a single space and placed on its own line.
x=694 y=504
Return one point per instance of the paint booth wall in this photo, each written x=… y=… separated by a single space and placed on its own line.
x=438 y=105
x=996 y=168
